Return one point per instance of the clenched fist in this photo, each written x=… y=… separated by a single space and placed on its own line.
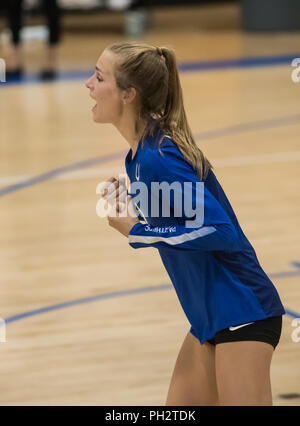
x=122 y=215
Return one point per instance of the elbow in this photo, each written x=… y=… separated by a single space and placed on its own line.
x=231 y=238
x=234 y=240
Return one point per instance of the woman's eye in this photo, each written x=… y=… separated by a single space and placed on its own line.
x=99 y=79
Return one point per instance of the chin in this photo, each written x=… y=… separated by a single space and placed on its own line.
x=100 y=120
x=97 y=119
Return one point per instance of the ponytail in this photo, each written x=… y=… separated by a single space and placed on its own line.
x=153 y=72
x=176 y=122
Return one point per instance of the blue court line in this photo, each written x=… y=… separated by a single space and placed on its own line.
x=248 y=127
x=148 y=289
x=86 y=300
x=246 y=62
x=59 y=171
x=212 y=134
x=185 y=67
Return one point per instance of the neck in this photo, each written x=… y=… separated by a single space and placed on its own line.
x=126 y=127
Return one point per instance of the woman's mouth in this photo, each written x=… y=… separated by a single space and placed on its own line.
x=94 y=107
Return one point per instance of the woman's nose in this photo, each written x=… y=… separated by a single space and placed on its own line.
x=88 y=83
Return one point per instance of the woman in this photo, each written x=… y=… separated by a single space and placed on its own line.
x=233 y=308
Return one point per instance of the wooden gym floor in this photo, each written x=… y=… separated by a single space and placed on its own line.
x=117 y=342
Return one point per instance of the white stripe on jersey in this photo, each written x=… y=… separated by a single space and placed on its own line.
x=179 y=239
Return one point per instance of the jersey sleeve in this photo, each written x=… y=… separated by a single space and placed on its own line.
x=203 y=224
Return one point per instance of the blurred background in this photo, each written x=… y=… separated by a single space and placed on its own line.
x=89 y=321
x=71 y=27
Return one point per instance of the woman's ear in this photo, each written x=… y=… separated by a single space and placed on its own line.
x=129 y=95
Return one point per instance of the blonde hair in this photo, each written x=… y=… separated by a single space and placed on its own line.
x=152 y=71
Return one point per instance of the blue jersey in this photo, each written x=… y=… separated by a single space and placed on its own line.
x=213 y=267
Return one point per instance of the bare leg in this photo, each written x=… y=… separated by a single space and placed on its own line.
x=193 y=381
x=243 y=373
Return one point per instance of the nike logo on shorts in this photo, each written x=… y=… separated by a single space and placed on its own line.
x=240 y=326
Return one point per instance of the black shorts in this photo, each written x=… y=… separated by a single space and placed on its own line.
x=267 y=330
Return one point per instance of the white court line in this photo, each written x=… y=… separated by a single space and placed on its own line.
x=277 y=157
x=106 y=172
